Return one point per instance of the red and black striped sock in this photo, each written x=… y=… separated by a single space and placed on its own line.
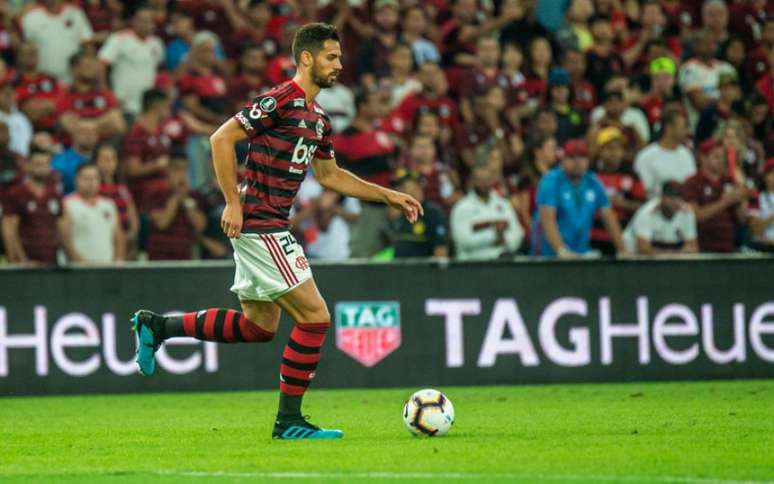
x=299 y=363
x=216 y=324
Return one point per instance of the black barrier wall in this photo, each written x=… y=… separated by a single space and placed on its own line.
x=67 y=331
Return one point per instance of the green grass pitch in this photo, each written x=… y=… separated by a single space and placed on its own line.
x=704 y=432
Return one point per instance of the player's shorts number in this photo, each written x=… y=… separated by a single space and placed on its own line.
x=287 y=243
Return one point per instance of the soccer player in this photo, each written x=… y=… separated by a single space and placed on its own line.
x=287 y=131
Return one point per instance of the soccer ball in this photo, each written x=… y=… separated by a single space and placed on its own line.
x=428 y=413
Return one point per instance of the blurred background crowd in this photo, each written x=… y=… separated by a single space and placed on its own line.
x=569 y=128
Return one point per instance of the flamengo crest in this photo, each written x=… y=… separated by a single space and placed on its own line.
x=368 y=331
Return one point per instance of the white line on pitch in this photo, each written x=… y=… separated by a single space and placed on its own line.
x=455 y=475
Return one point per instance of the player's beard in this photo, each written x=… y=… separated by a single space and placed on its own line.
x=321 y=80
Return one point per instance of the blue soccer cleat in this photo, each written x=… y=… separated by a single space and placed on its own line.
x=298 y=428
x=143 y=322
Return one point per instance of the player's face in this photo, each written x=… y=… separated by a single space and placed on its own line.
x=327 y=64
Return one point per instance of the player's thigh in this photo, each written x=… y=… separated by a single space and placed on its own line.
x=305 y=304
x=264 y=314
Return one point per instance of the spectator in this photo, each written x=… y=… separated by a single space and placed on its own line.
x=699 y=76
x=576 y=34
x=570 y=122
x=433 y=97
x=250 y=82
x=59 y=30
x=537 y=72
x=666 y=159
x=175 y=214
x=541 y=157
x=134 y=55
x=487 y=126
x=652 y=25
x=413 y=32
x=714 y=18
x=458 y=35
x=19 y=127
x=484 y=224
x=568 y=198
x=439 y=184
x=401 y=79
x=11 y=163
x=664 y=225
x=375 y=51
x=328 y=235
x=618 y=113
x=734 y=52
x=106 y=160
x=524 y=25
x=88 y=99
x=80 y=152
x=622 y=186
x=583 y=97
x=763 y=220
x=758 y=60
x=716 y=114
x=717 y=201
x=339 y=103
x=204 y=95
x=428 y=236
x=32 y=214
x=180 y=45
x=250 y=27
x=36 y=92
x=484 y=74
x=370 y=153
x=92 y=225
x=662 y=87
x=745 y=155
x=544 y=124
x=146 y=147
x=602 y=61
x=765 y=84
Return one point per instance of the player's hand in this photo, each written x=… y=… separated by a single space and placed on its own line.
x=231 y=221
x=407 y=204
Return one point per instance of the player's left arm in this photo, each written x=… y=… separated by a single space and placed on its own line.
x=333 y=177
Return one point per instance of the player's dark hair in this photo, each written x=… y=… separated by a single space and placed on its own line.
x=83 y=167
x=151 y=97
x=311 y=38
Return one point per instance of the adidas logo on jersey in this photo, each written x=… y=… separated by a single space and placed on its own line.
x=302 y=124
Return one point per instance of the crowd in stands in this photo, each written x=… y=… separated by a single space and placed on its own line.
x=560 y=128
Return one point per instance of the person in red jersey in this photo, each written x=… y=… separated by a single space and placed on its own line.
x=251 y=80
x=146 y=147
x=88 y=99
x=32 y=215
x=176 y=216
x=288 y=132
x=106 y=159
x=36 y=92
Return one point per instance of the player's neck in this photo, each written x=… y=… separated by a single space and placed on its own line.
x=311 y=90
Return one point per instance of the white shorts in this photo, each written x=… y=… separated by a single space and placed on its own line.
x=268 y=266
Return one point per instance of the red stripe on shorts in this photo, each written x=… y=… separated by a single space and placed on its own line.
x=283 y=260
x=281 y=268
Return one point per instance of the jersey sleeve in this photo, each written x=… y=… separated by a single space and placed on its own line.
x=110 y=49
x=325 y=147
x=260 y=115
x=547 y=192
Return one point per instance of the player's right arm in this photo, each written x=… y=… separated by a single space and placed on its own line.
x=225 y=164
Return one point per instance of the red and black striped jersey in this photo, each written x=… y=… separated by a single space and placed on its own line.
x=285 y=134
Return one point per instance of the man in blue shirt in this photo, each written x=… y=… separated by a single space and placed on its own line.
x=568 y=198
x=84 y=140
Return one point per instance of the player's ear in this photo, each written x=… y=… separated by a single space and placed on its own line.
x=307 y=58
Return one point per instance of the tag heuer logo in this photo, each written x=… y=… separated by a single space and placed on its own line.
x=368 y=331
x=268 y=104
